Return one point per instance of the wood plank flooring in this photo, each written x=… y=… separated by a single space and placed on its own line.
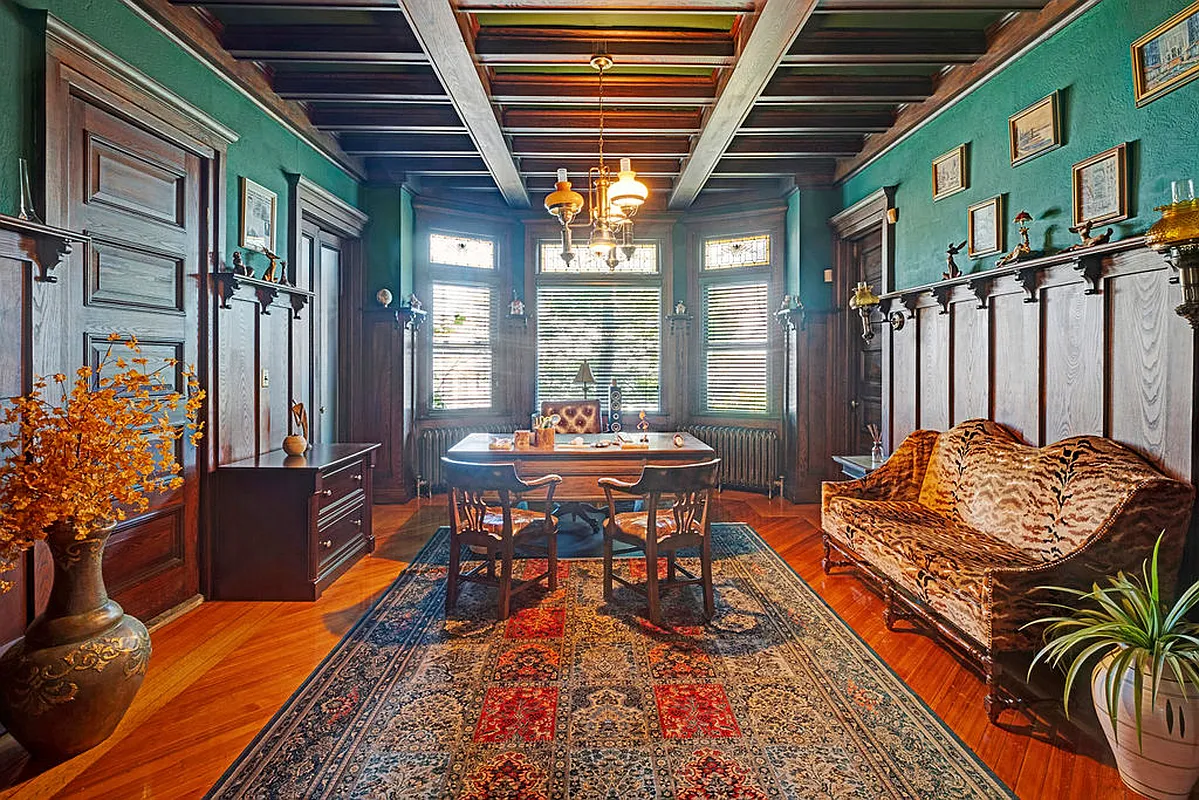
x=220 y=672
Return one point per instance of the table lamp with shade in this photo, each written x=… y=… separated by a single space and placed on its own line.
x=584 y=377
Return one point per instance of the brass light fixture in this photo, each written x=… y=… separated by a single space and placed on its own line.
x=865 y=301
x=1176 y=236
x=613 y=199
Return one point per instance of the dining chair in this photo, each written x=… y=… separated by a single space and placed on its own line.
x=575 y=417
x=484 y=517
x=681 y=523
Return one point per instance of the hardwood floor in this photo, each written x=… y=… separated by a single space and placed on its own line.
x=220 y=672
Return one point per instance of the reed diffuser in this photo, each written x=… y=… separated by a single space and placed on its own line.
x=877 y=456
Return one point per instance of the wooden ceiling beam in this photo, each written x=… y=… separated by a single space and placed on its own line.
x=565 y=147
x=926 y=6
x=589 y=6
x=586 y=122
x=411 y=145
x=310 y=5
x=325 y=44
x=760 y=147
x=431 y=119
x=873 y=46
x=741 y=167
x=441 y=166
x=773 y=30
x=436 y=27
x=580 y=164
x=392 y=87
x=656 y=90
x=778 y=121
x=786 y=88
x=534 y=49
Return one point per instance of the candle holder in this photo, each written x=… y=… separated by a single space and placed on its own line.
x=1176 y=236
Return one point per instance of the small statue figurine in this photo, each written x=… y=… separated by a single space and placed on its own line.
x=680 y=308
x=414 y=302
x=951 y=266
x=517 y=307
x=297 y=444
x=1084 y=233
x=239 y=266
x=786 y=304
x=643 y=426
x=283 y=274
x=1023 y=248
x=270 y=275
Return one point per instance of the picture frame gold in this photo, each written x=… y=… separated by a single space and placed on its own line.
x=1100 y=187
x=1151 y=80
x=985 y=227
x=259 y=213
x=1035 y=130
x=950 y=173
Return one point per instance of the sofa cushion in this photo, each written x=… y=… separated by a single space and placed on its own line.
x=1046 y=501
x=940 y=560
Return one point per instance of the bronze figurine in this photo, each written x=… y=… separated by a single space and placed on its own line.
x=951 y=266
x=1084 y=233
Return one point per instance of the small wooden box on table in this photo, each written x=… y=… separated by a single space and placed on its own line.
x=288 y=526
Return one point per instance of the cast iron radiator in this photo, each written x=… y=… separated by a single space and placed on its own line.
x=433 y=444
x=749 y=456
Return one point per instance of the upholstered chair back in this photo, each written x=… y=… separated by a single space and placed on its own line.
x=1045 y=500
x=577 y=416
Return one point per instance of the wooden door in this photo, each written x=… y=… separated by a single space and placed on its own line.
x=327 y=279
x=138 y=196
x=866 y=369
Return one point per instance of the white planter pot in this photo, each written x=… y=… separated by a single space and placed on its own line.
x=1169 y=764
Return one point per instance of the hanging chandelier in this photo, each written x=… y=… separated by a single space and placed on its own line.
x=613 y=198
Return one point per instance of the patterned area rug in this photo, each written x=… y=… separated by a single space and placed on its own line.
x=576 y=698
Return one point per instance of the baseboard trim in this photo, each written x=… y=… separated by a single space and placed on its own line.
x=172 y=614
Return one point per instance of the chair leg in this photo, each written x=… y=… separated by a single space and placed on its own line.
x=670 y=562
x=705 y=564
x=451 y=589
x=651 y=587
x=506 y=581
x=551 y=544
x=607 y=567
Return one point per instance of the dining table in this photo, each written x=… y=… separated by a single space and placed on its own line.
x=582 y=459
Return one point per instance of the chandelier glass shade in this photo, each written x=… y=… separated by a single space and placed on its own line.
x=613 y=198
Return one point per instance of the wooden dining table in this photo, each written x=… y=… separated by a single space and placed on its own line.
x=582 y=465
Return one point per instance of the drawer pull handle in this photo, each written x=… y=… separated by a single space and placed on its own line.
x=358 y=477
x=358 y=523
x=326 y=492
x=327 y=543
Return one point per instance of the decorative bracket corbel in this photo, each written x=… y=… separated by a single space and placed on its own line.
x=1027 y=278
x=909 y=301
x=266 y=295
x=680 y=321
x=1090 y=266
x=227 y=285
x=982 y=290
x=942 y=294
x=413 y=318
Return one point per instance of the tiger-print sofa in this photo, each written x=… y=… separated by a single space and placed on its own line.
x=960 y=527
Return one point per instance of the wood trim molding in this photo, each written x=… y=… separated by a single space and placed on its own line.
x=867 y=212
x=327 y=208
x=59 y=32
x=1023 y=32
x=185 y=29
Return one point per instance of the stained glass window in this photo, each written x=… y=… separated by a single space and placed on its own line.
x=741 y=251
x=643 y=262
x=461 y=251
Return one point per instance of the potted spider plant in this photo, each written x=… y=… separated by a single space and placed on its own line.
x=1145 y=687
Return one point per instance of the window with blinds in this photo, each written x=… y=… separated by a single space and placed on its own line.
x=462 y=322
x=736 y=326
x=616 y=328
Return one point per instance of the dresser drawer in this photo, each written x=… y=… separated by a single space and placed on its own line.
x=340 y=533
x=341 y=484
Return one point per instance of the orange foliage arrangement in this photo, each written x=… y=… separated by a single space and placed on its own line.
x=96 y=455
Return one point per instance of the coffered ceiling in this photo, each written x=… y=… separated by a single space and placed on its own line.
x=710 y=98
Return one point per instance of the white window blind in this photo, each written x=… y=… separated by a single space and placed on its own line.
x=617 y=329
x=736 y=322
x=462 y=323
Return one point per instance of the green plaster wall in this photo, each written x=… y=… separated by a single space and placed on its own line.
x=407 y=242
x=382 y=239
x=265 y=151
x=815 y=246
x=1089 y=61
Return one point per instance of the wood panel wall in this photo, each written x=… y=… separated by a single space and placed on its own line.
x=1117 y=363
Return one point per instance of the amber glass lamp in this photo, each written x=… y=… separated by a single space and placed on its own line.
x=1176 y=236
x=564 y=203
x=865 y=301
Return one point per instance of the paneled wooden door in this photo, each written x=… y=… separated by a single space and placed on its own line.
x=321 y=259
x=866 y=369
x=138 y=196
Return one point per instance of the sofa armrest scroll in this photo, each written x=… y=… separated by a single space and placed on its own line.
x=899 y=478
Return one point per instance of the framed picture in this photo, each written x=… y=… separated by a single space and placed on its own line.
x=258 y=207
x=1035 y=130
x=984 y=224
x=949 y=173
x=1167 y=56
x=1101 y=187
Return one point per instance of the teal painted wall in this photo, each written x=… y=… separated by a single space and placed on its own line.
x=382 y=239
x=265 y=151
x=407 y=242
x=815 y=246
x=1089 y=61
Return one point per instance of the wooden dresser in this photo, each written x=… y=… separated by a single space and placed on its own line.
x=288 y=526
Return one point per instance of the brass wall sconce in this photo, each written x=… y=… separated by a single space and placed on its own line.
x=865 y=301
x=1176 y=236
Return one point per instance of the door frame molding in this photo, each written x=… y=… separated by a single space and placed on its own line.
x=77 y=66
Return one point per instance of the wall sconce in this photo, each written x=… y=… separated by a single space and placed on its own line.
x=865 y=301
x=1176 y=236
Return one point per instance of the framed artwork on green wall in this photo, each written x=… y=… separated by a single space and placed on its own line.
x=1101 y=187
x=949 y=173
x=258 y=213
x=984 y=225
x=1167 y=56
x=1036 y=130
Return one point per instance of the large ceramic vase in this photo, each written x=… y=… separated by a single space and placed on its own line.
x=1168 y=764
x=66 y=684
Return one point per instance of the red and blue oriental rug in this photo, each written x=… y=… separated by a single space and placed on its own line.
x=576 y=698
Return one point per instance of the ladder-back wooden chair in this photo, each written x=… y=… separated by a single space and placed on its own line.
x=484 y=516
x=683 y=523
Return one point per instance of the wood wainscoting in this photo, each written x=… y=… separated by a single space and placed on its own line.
x=1053 y=347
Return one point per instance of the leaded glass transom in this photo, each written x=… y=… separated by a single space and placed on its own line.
x=739 y=251
x=461 y=251
x=643 y=262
